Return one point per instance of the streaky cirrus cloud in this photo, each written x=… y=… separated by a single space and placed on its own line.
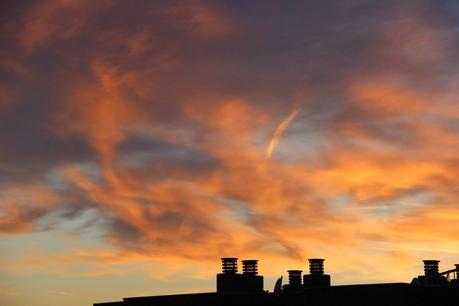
x=280 y=129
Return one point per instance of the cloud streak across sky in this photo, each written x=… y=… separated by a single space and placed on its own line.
x=135 y=136
x=279 y=132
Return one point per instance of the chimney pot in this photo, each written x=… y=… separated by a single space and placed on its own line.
x=294 y=278
x=431 y=267
x=316 y=265
x=249 y=267
x=229 y=265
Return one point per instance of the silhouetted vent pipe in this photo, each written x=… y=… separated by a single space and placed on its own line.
x=316 y=265
x=431 y=267
x=294 y=278
x=229 y=265
x=250 y=267
x=457 y=271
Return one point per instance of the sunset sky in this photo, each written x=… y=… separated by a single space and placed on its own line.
x=140 y=141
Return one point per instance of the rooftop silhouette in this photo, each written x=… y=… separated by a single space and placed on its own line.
x=315 y=289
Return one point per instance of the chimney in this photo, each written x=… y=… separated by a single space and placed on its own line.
x=431 y=267
x=229 y=265
x=249 y=267
x=294 y=278
x=316 y=266
x=316 y=276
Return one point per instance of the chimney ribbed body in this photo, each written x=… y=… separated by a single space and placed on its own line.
x=431 y=267
x=294 y=278
x=249 y=267
x=229 y=265
x=316 y=266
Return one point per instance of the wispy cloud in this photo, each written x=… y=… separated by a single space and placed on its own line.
x=280 y=129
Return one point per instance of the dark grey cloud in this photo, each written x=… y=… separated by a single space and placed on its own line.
x=154 y=158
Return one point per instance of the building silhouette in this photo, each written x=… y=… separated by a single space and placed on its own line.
x=433 y=288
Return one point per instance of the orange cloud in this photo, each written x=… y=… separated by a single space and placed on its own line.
x=49 y=20
x=199 y=17
x=21 y=206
